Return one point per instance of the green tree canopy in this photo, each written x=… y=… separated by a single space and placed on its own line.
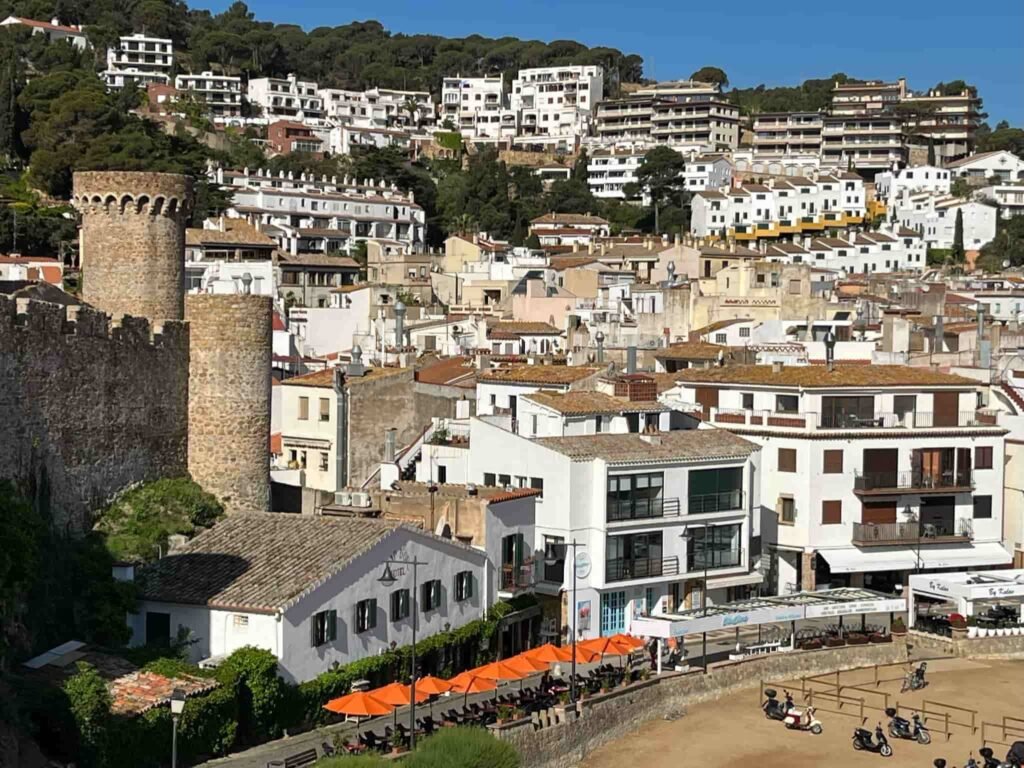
x=711 y=75
x=660 y=176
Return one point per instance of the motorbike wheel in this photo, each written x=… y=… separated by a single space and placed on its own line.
x=857 y=744
x=816 y=729
x=885 y=751
x=893 y=733
x=923 y=737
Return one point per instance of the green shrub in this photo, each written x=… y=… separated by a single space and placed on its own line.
x=89 y=701
x=463 y=748
x=261 y=692
x=356 y=761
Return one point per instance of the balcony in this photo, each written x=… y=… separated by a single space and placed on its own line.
x=624 y=569
x=723 y=501
x=641 y=509
x=716 y=559
x=909 y=420
x=517 y=578
x=913 y=481
x=763 y=418
x=912 y=533
x=811 y=222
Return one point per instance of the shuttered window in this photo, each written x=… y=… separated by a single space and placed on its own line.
x=833 y=462
x=831 y=512
x=787 y=460
x=983 y=457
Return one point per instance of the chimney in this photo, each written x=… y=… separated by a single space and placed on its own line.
x=390 y=443
x=777 y=366
x=399 y=324
x=676 y=240
x=483 y=362
x=631 y=359
x=575 y=246
x=590 y=247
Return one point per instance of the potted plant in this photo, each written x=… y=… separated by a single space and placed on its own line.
x=834 y=642
x=399 y=744
x=1003 y=630
x=811 y=645
x=972 y=627
x=957 y=626
x=506 y=713
x=1017 y=630
x=899 y=627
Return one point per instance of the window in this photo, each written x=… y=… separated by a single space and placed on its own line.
x=721 y=338
x=983 y=457
x=633 y=497
x=745 y=332
x=613 y=613
x=787 y=510
x=504 y=480
x=400 y=604
x=325 y=409
x=489 y=478
x=831 y=512
x=633 y=556
x=366 y=615
x=303 y=408
x=463 y=586
x=982 y=507
x=713 y=547
x=794 y=287
x=324 y=461
x=748 y=401
x=715 y=490
x=430 y=595
x=833 y=464
x=158 y=628
x=324 y=628
x=554 y=571
x=787 y=459
x=787 y=403
x=538 y=483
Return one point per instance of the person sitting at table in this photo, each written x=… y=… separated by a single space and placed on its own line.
x=546 y=682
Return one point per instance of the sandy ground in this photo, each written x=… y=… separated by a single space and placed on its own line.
x=733 y=733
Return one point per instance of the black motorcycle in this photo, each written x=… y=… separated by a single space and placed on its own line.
x=775 y=709
x=1015 y=757
x=901 y=728
x=915 y=681
x=991 y=761
x=862 y=740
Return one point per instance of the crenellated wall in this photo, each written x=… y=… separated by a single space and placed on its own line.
x=89 y=406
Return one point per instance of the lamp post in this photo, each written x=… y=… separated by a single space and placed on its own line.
x=551 y=556
x=703 y=590
x=177 y=707
x=387 y=579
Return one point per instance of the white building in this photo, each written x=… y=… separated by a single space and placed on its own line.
x=780 y=134
x=308 y=589
x=343 y=139
x=331 y=329
x=51 y=30
x=140 y=60
x=477 y=107
x=222 y=94
x=555 y=105
x=868 y=473
x=918 y=178
x=707 y=172
x=569 y=228
x=1009 y=198
x=934 y=217
x=287 y=98
x=378 y=108
x=654 y=512
x=609 y=171
x=979 y=168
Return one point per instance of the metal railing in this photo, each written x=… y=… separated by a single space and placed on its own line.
x=716 y=558
x=812 y=419
x=622 y=569
x=723 y=501
x=914 y=480
x=642 y=509
x=517 y=577
x=913 y=532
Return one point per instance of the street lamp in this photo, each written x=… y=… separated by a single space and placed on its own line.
x=703 y=589
x=177 y=707
x=551 y=556
x=387 y=579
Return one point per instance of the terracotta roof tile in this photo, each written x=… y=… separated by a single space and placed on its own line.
x=523 y=328
x=692 y=350
x=518 y=493
x=570 y=218
x=678 y=445
x=451 y=371
x=538 y=374
x=819 y=377
x=583 y=403
x=138 y=692
x=719 y=325
x=235 y=232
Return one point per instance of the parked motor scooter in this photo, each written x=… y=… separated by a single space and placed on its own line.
x=803 y=720
x=862 y=740
x=914 y=681
x=901 y=728
x=775 y=709
x=991 y=761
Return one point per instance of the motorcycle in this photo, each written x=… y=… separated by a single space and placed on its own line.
x=862 y=740
x=775 y=709
x=915 y=681
x=901 y=728
x=804 y=720
x=1015 y=757
x=991 y=761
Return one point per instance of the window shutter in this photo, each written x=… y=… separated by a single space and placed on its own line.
x=833 y=462
x=831 y=512
x=312 y=629
x=332 y=625
x=470 y=578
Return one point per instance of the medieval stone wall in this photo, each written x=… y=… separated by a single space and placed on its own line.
x=88 y=406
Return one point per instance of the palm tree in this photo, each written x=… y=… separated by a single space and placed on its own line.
x=412 y=106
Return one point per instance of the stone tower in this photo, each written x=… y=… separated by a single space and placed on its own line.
x=133 y=242
x=229 y=397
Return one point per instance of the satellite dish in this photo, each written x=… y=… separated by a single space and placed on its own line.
x=1006 y=263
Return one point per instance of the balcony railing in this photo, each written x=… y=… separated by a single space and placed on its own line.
x=515 y=578
x=641 y=509
x=912 y=533
x=723 y=501
x=913 y=481
x=812 y=419
x=623 y=569
x=716 y=558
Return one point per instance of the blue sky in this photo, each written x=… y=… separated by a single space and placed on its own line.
x=926 y=41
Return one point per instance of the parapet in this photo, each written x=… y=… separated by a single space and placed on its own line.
x=121 y=192
x=42 y=318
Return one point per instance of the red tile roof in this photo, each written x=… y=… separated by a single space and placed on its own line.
x=518 y=493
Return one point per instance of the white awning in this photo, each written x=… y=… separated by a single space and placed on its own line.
x=905 y=559
x=990 y=553
x=856 y=561
x=735 y=581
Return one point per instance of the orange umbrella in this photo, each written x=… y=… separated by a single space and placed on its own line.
x=606 y=646
x=526 y=664
x=554 y=655
x=498 y=670
x=470 y=682
x=358 y=704
x=633 y=642
x=397 y=695
x=432 y=686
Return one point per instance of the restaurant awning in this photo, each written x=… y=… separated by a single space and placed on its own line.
x=849 y=560
x=990 y=553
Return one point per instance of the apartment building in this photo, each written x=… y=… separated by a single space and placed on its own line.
x=916 y=178
x=1009 y=198
x=782 y=208
x=556 y=104
x=570 y=229
x=686 y=114
x=222 y=94
x=778 y=134
x=979 y=168
x=477 y=108
x=287 y=136
x=867 y=473
x=946 y=122
x=287 y=98
x=610 y=170
x=307 y=214
x=861 y=127
x=654 y=512
x=378 y=107
x=139 y=60
x=934 y=218
x=707 y=172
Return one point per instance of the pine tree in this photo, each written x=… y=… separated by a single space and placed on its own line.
x=958 y=255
